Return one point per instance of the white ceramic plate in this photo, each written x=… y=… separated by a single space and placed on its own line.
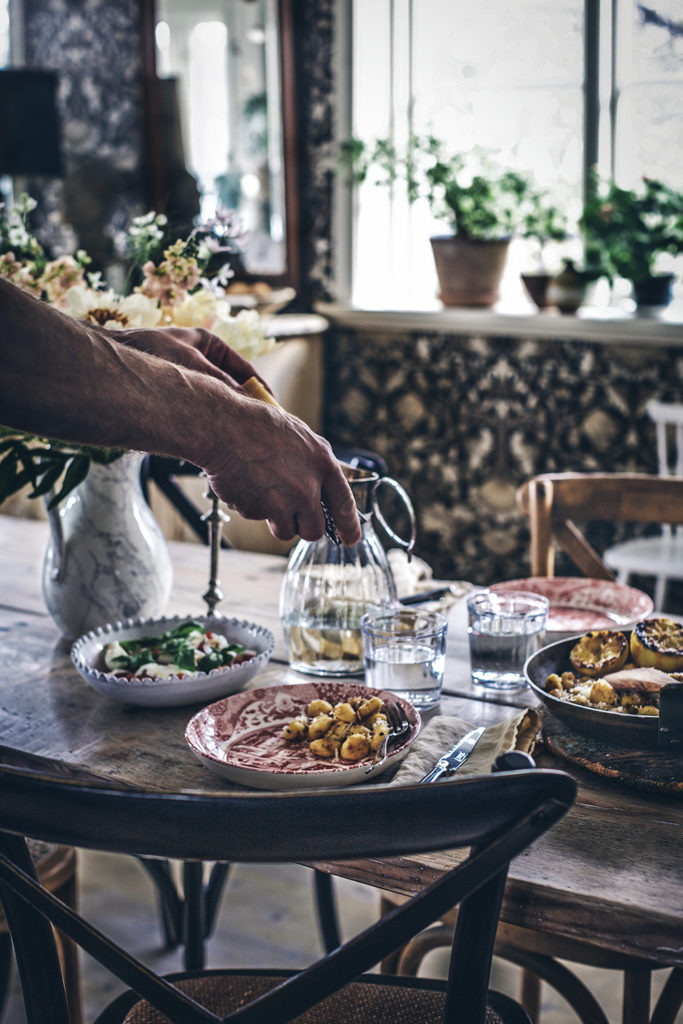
x=175 y=690
x=578 y=604
x=240 y=737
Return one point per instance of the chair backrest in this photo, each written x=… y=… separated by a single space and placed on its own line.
x=496 y=816
x=553 y=502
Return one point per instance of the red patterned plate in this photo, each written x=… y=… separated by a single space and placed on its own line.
x=578 y=604
x=240 y=737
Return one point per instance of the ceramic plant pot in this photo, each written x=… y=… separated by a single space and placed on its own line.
x=653 y=292
x=537 y=288
x=567 y=291
x=469 y=270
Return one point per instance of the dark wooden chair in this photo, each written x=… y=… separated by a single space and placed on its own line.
x=56 y=868
x=493 y=817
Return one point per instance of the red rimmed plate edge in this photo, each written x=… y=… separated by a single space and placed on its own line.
x=604 y=597
x=301 y=694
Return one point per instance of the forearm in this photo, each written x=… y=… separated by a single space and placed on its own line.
x=62 y=379
x=71 y=381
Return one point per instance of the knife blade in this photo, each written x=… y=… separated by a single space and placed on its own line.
x=457 y=755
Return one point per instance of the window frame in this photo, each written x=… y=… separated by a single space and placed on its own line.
x=600 y=112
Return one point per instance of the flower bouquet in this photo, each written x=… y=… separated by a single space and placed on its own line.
x=167 y=285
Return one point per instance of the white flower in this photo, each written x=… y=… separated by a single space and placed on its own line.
x=140 y=311
x=244 y=332
x=111 y=310
x=199 y=310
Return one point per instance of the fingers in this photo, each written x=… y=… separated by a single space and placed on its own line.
x=341 y=505
x=308 y=520
x=219 y=354
x=194 y=348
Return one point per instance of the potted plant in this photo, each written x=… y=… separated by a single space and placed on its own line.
x=543 y=223
x=628 y=230
x=484 y=204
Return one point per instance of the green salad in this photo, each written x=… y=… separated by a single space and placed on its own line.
x=187 y=649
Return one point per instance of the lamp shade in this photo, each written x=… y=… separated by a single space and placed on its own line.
x=29 y=123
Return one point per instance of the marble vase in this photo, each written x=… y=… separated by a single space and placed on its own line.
x=106 y=557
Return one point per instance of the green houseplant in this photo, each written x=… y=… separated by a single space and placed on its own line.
x=483 y=203
x=628 y=230
x=544 y=222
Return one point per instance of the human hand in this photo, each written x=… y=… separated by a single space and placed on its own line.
x=281 y=471
x=193 y=347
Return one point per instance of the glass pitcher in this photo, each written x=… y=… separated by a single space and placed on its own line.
x=328 y=587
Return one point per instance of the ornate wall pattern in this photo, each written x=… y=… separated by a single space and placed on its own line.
x=463 y=421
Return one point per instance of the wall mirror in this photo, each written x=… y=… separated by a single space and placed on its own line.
x=221 y=122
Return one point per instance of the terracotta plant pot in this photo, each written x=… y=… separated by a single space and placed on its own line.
x=537 y=288
x=469 y=270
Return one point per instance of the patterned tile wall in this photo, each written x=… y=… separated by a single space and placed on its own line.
x=463 y=421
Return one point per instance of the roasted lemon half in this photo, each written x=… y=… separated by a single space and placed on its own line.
x=599 y=652
x=658 y=643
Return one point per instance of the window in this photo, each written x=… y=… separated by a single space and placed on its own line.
x=509 y=78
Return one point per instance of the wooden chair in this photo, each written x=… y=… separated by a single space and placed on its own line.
x=492 y=817
x=56 y=868
x=554 y=502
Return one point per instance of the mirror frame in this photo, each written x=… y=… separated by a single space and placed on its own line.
x=152 y=156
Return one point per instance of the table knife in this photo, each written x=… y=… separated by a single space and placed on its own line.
x=457 y=755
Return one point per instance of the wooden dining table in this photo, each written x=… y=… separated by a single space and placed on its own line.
x=610 y=872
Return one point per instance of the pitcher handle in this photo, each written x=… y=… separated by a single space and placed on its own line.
x=409 y=545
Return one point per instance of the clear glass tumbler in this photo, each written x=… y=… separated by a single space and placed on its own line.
x=405 y=653
x=504 y=630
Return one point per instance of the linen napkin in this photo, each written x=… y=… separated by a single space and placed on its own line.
x=441 y=733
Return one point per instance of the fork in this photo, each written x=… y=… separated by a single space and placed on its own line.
x=398 y=726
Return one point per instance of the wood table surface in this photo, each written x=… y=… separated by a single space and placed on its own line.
x=610 y=872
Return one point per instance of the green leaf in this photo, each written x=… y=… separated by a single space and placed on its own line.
x=75 y=474
x=12 y=478
x=212 y=659
x=185 y=628
x=49 y=478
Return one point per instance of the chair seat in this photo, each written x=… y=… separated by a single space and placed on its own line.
x=648 y=556
x=374 y=999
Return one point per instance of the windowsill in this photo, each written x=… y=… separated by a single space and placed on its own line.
x=598 y=323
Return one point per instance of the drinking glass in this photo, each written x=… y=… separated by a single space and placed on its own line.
x=404 y=652
x=504 y=629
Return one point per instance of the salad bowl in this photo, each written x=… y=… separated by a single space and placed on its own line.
x=177 y=689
